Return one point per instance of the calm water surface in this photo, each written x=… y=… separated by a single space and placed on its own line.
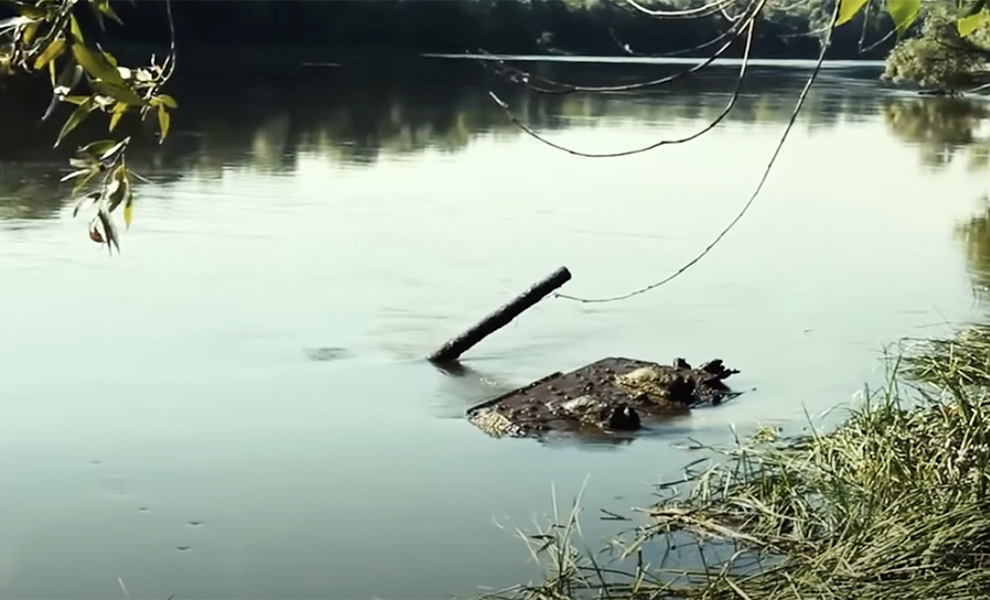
x=164 y=421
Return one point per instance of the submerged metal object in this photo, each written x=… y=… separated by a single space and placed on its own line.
x=614 y=396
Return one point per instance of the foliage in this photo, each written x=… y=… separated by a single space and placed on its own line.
x=902 y=12
x=950 y=53
x=46 y=35
x=890 y=504
x=967 y=15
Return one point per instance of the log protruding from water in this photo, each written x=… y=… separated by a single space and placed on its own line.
x=501 y=317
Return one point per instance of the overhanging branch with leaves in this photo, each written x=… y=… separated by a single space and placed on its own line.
x=46 y=35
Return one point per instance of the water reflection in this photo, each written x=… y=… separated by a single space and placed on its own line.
x=354 y=118
x=974 y=233
x=265 y=340
x=29 y=192
x=943 y=128
x=357 y=118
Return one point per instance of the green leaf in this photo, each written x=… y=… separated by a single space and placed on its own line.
x=101 y=8
x=70 y=75
x=164 y=121
x=53 y=51
x=168 y=101
x=75 y=29
x=14 y=22
x=120 y=93
x=848 y=9
x=82 y=182
x=119 y=188
x=30 y=31
x=97 y=66
x=904 y=13
x=109 y=229
x=32 y=12
x=98 y=16
x=89 y=170
x=83 y=164
x=85 y=202
x=118 y=112
x=104 y=7
x=77 y=117
x=116 y=149
x=973 y=8
x=129 y=210
x=96 y=150
x=967 y=25
x=77 y=100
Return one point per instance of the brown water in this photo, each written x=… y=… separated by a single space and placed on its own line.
x=164 y=421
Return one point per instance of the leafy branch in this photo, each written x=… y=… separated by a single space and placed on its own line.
x=971 y=14
x=46 y=35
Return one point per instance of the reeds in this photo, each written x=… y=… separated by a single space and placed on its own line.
x=892 y=503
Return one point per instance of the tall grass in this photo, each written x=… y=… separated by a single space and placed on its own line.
x=890 y=504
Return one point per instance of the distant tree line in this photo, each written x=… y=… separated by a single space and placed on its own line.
x=600 y=27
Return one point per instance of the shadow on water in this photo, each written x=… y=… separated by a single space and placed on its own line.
x=356 y=117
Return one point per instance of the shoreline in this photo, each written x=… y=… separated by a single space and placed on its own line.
x=889 y=503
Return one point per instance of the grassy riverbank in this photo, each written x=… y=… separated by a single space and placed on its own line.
x=892 y=503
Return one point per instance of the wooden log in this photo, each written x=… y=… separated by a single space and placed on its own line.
x=501 y=317
x=607 y=399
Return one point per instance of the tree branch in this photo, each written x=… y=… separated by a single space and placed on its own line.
x=528 y=78
x=766 y=173
x=711 y=125
x=689 y=13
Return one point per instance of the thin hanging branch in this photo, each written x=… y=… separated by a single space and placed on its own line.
x=169 y=66
x=866 y=25
x=708 y=127
x=890 y=34
x=688 y=13
x=709 y=10
x=766 y=173
x=530 y=80
x=872 y=46
x=670 y=53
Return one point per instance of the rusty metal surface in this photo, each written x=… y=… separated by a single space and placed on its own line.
x=611 y=396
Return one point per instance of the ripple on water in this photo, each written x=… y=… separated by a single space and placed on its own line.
x=328 y=353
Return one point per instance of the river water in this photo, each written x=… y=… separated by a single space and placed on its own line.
x=236 y=406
